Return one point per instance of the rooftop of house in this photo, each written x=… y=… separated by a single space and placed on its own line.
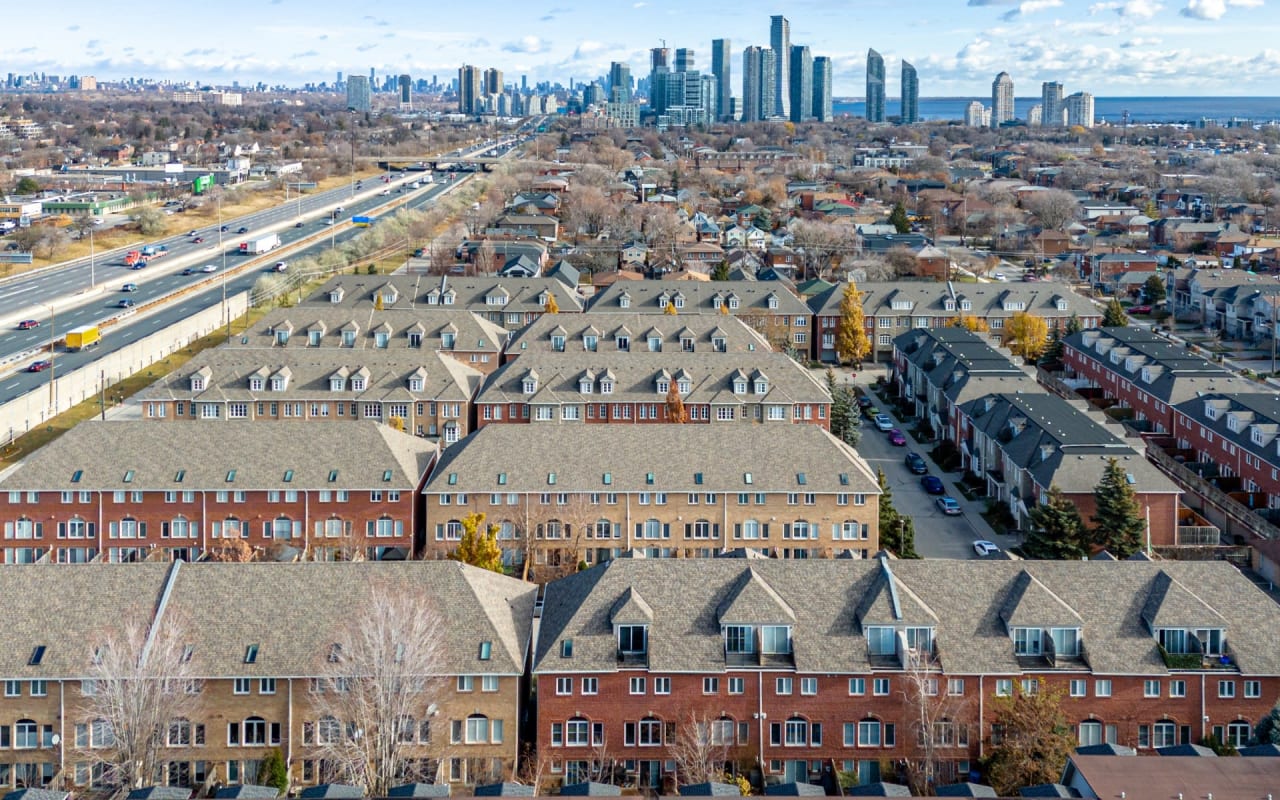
x=699 y=331
x=141 y=455
x=930 y=298
x=690 y=297
x=1170 y=776
x=971 y=605
x=421 y=292
x=393 y=327
x=1165 y=371
x=674 y=458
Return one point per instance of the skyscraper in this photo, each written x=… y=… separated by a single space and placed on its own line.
x=684 y=59
x=758 y=66
x=910 y=94
x=493 y=81
x=619 y=83
x=722 y=68
x=659 y=57
x=358 y=93
x=1080 y=110
x=780 y=43
x=768 y=66
x=822 y=73
x=406 y=92
x=1051 y=100
x=469 y=89
x=1001 y=99
x=875 y=87
x=801 y=87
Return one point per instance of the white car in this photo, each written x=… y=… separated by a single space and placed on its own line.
x=984 y=548
x=209 y=268
x=281 y=266
x=884 y=422
x=1000 y=277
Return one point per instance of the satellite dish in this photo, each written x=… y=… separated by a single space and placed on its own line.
x=55 y=740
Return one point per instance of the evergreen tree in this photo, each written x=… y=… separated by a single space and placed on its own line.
x=1154 y=289
x=907 y=538
x=478 y=548
x=852 y=344
x=844 y=420
x=1057 y=531
x=1074 y=325
x=273 y=772
x=898 y=218
x=897 y=533
x=721 y=272
x=1267 y=730
x=1114 y=316
x=1118 y=521
x=1052 y=354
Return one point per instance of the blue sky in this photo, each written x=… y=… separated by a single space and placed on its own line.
x=1108 y=47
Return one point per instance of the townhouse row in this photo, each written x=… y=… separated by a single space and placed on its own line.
x=783 y=667
x=557 y=494
x=1018 y=439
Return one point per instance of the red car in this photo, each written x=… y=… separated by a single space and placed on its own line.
x=40 y=366
x=28 y=324
x=896 y=438
x=1139 y=309
x=198 y=240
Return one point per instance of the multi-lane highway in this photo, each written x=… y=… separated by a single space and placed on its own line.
x=165 y=279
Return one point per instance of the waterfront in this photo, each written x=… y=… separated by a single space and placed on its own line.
x=1109 y=109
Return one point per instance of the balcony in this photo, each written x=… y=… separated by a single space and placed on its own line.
x=1200 y=661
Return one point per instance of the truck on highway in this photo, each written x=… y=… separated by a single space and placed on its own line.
x=154 y=251
x=82 y=337
x=263 y=244
x=361 y=222
x=132 y=257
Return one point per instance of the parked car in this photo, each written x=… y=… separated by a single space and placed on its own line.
x=933 y=484
x=1000 y=276
x=40 y=366
x=984 y=548
x=916 y=464
x=125 y=303
x=1139 y=309
x=897 y=438
x=28 y=324
x=883 y=422
x=864 y=401
x=871 y=412
x=948 y=505
x=129 y=287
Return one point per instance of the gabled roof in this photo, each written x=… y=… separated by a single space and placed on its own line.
x=630 y=608
x=752 y=600
x=1032 y=605
x=1172 y=605
x=889 y=602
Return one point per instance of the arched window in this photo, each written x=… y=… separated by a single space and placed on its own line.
x=280 y=528
x=869 y=733
x=328 y=730
x=577 y=732
x=722 y=731
x=652 y=529
x=552 y=529
x=179 y=528
x=453 y=530
x=603 y=529
x=477 y=729
x=800 y=529
x=26 y=734
x=702 y=529
x=506 y=530
x=1164 y=734
x=796 y=732
x=1090 y=733
x=649 y=732
x=1238 y=734
x=750 y=529
x=179 y=733
x=232 y=528
x=255 y=731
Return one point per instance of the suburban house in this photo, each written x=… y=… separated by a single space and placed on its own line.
x=633 y=387
x=1234 y=435
x=795 y=493
x=871 y=666
x=629 y=331
x=1104 y=267
x=138 y=491
x=258 y=679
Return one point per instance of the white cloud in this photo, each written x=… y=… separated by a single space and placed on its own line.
x=1031 y=7
x=527 y=44
x=1215 y=9
x=1139 y=9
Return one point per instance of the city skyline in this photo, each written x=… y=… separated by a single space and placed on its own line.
x=1141 y=47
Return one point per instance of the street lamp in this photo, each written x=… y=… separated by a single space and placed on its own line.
x=92 y=282
x=53 y=349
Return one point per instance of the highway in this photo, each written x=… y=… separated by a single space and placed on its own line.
x=165 y=279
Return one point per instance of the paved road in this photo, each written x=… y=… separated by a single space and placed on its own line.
x=164 y=279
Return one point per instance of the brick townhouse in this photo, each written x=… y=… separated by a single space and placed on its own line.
x=791 y=667
x=890 y=309
x=941 y=368
x=632 y=388
x=664 y=491
x=428 y=393
x=261 y=636
x=780 y=316
x=1024 y=444
x=465 y=336
x=135 y=490
x=1142 y=371
x=508 y=302
x=1234 y=435
x=627 y=332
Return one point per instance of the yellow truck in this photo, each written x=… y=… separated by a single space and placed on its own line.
x=83 y=337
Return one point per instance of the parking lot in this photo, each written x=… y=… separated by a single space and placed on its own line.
x=937 y=535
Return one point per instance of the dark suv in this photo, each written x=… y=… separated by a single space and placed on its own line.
x=916 y=464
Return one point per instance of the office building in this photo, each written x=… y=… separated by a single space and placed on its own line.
x=358 y=93
x=910 y=94
x=976 y=115
x=1080 y=110
x=493 y=81
x=1053 y=113
x=801 y=71
x=1001 y=100
x=659 y=58
x=1035 y=115
x=875 y=87
x=684 y=59
x=619 y=82
x=469 y=89
x=822 y=74
x=406 y=93
x=373 y=80
x=722 y=68
x=780 y=43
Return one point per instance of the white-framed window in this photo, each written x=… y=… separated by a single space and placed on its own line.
x=661 y=686
x=1151 y=688
x=1079 y=688
x=1226 y=689
x=637 y=685
x=1177 y=688
x=857 y=686
x=809 y=686
x=880 y=687
x=564 y=686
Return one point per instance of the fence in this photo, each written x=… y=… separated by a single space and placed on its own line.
x=71 y=388
x=16 y=258
x=1230 y=510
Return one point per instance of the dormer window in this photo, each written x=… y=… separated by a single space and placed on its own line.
x=357 y=384
x=388 y=296
x=633 y=640
x=716 y=302
x=337 y=383
x=415 y=384
x=762 y=386
x=663 y=300
x=624 y=300
x=949 y=304
x=1210 y=412
x=1062 y=304
x=664 y=385
x=313 y=338
x=678 y=301
x=197 y=383
x=449 y=297
x=740 y=386
x=623 y=342
x=966 y=305
x=1186 y=641
x=775 y=639
x=590 y=343
x=282 y=336
x=557 y=343
x=606 y=387
x=684 y=386
x=734 y=302
x=530 y=385
x=719 y=344
x=255 y=384
x=739 y=640
x=277 y=384
x=348 y=338
x=1233 y=423
x=686 y=344
x=773 y=303
x=1257 y=436
x=447 y=340
x=335 y=296
x=655 y=344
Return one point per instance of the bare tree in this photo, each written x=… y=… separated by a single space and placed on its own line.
x=701 y=749
x=1053 y=207
x=938 y=724
x=144 y=693
x=380 y=683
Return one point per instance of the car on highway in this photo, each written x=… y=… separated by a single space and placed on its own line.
x=209 y=268
x=28 y=324
x=897 y=438
x=129 y=287
x=225 y=228
x=327 y=222
x=984 y=548
x=139 y=265
x=198 y=240
x=384 y=192
x=189 y=271
x=193 y=233
x=125 y=303
x=298 y=225
x=280 y=266
x=932 y=484
x=242 y=229
x=916 y=464
x=883 y=422
x=948 y=505
x=39 y=366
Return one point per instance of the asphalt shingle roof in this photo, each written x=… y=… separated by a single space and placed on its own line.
x=699 y=297
x=702 y=329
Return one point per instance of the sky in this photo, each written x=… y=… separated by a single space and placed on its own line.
x=1112 y=48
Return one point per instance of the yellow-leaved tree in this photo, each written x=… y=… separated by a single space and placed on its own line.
x=1026 y=335
x=552 y=307
x=675 y=405
x=670 y=310
x=970 y=323
x=479 y=548
x=852 y=344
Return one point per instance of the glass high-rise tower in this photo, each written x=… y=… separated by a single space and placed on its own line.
x=910 y=94
x=780 y=42
x=875 y=87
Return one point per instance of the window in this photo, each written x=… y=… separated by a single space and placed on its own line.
x=1090 y=733
x=661 y=685
x=1226 y=689
x=1078 y=688
x=880 y=687
x=869 y=733
x=857 y=686
x=1004 y=687
x=739 y=639
x=13 y=688
x=1253 y=689
x=775 y=639
x=564 y=686
x=796 y=732
x=631 y=639
x=1026 y=641
x=1164 y=734
x=809 y=686
x=710 y=685
x=1151 y=688
x=955 y=687
x=739 y=685
x=782 y=686
x=1102 y=688
x=1177 y=688
x=477 y=731
x=466 y=683
x=266 y=686
x=241 y=686
x=637 y=686
x=590 y=685
x=1238 y=734
x=39 y=688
